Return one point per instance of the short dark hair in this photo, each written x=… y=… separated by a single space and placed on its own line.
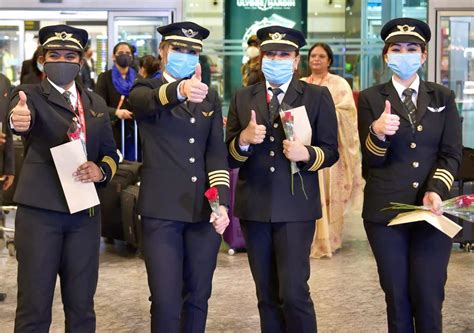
x=132 y=48
x=150 y=63
x=326 y=48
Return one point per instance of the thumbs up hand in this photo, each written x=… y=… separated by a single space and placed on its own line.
x=253 y=133
x=21 y=115
x=387 y=124
x=193 y=88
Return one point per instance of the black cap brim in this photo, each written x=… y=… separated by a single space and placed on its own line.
x=63 y=46
x=185 y=45
x=404 y=39
x=272 y=46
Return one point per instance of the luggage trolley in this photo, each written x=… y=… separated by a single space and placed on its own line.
x=7 y=231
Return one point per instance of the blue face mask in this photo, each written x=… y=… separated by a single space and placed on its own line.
x=404 y=65
x=277 y=72
x=181 y=65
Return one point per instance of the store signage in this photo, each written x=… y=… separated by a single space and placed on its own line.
x=266 y=4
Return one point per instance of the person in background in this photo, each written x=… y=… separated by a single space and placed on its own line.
x=150 y=67
x=278 y=209
x=7 y=165
x=87 y=72
x=49 y=240
x=35 y=74
x=342 y=181
x=251 y=70
x=114 y=86
x=180 y=122
x=411 y=151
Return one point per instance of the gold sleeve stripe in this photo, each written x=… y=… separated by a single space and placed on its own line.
x=373 y=148
x=446 y=173
x=319 y=160
x=220 y=183
x=218 y=179
x=234 y=153
x=223 y=172
x=162 y=94
x=111 y=163
x=443 y=179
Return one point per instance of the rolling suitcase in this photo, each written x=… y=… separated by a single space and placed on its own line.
x=465 y=237
x=112 y=226
x=7 y=199
x=131 y=222
x=233 y=233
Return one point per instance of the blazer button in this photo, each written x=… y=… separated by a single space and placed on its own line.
x=191 y=140
x=415 y=164
x=272 y=153
x=272 y=169
x=412 y=145
x=192 y=120
x=272 y=138
x=419 y=128
x=275 y=125
x=415 y=184
x=194 y=179
x=192 y=160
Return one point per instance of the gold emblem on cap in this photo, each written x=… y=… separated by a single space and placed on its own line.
x=405 y=28
x=63 y=35
x=277 y=36
x=190 y=33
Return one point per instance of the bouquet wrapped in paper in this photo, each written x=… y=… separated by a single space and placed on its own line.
x=461 y=206
x=212 y=195
x=288 y=122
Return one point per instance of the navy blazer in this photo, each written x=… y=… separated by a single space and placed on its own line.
x=264 y=185
x=407 y=164
x=39 y=185
x=183 y=152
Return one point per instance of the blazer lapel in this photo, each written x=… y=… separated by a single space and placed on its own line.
x=295 y=89
x=54 y=96
x=260 y=95
x=422 y=101
x=396 y=104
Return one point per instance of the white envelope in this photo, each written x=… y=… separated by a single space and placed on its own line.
x=67 y=158
x=302 y=126
x=440 y=222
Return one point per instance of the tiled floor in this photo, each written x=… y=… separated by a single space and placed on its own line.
x=345 y=290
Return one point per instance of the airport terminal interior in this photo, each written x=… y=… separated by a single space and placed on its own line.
x=344 y=287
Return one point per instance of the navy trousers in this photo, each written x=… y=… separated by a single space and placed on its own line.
x=412 y=261
x=278 y=255
x=49 y=243
x=180 y=261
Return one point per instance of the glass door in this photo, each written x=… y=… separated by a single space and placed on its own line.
x=11 y=49
x=455 y=63
x=138 y=29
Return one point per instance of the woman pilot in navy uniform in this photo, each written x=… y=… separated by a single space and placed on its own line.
x=49 y=240
x=180 y=123
x=411 y=145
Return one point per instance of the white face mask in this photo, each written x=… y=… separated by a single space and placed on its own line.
x=252 y=52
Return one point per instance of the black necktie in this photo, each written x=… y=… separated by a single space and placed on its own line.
x=274 y=103
x=67 y=97
x=411 y=108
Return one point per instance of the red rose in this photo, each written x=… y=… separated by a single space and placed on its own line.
x=287 y=117
x=212 y=194
x=466 y=201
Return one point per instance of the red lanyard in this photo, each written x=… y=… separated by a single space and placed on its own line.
x=82 y=120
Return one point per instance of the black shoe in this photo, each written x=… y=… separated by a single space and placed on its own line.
x=2 y=297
